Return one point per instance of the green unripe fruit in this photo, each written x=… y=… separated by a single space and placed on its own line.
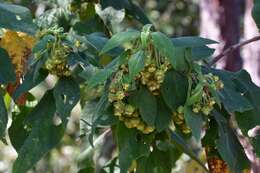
x=140 y=126
x=177 y=121
x=151 y=69
x=206 y=110
x=119 y=105
x=195 y=110
x=180 y=109
x=126 y=86
x=120 y=95
x=212 y=103
x=128 y=124
x=129 y=109
x=215 y=78
x=220 y=85
x=148 y=130
x=185 y=129
x=111 y=97
x=119 y=114
x=180 y=116
x=135 y=122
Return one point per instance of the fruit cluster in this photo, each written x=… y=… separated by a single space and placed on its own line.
x=131 y=117
x=204 y=107
x=178 y=119
x=206 y=104
x=123 y=110
x=57 y=63
x=153 y=75
x=217 y=165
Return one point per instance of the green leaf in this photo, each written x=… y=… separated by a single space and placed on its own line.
x=191 y=41
x=102 y=75
x=163 y=117
x=174 y=89
x=229 y=147
x=137 y=13
x=3 y=117
x=233 y=101
x=175 y=55
x=181 y=144
x=66 y=94
x=256 y=13
x=162 y=43
x=43 y=137
x=196 y=95
x=123 y=134
x=37 y=66
x=157 y=162
x=29 y=82
x=97 y=41
x=7 y=72
x=99 y=77
x=180 y=59
x=88 y=169
x=16 y=18
x=42 y=44
x=249 y=119
x=146 y=165
x=211 y=134
x=136 y=63
x=146 y=102
x=231 y=95
x=93 y=24
x=145 y=34
x=198 y=44
x=130 y=147
x=100 y=108
x=19 y=130
x=201 y=53
x=130 y=152
x=194 y=121
x=132 y=10
x=119 y=39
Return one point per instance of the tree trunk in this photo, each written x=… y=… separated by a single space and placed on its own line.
x=229 y=22
x=220 y=21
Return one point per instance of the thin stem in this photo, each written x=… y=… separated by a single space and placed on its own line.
x=231 y=49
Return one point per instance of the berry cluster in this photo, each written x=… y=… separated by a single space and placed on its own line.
x=153 y=75
x=217 y=165
x=124 y=111
x=178 y=119
x=131 y=117
x=205 y=107
x=57 y=62
x=206 y=104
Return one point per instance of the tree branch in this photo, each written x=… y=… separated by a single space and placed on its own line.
x=231 y=49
